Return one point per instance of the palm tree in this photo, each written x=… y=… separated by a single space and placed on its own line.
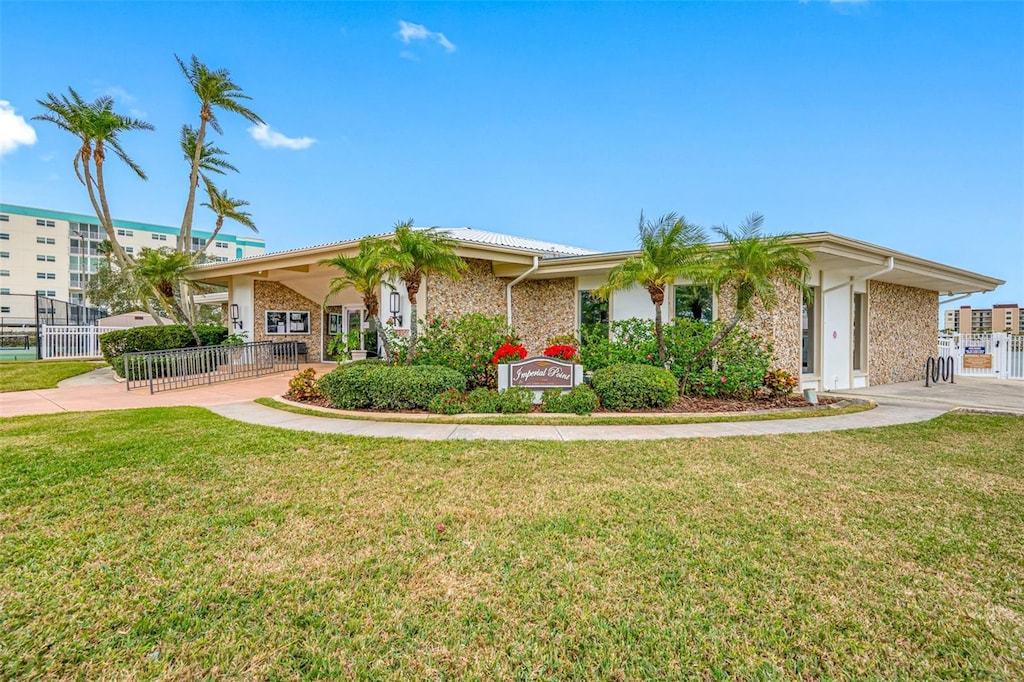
x=161 y=271
x=98 y=127
x=753 y=265
x=215 y=90
x=413 y=255
x=225 y=207
x=670 y=248
x=210 y=155
x=364 y=272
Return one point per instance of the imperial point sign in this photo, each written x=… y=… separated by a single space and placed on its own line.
x=541 y=373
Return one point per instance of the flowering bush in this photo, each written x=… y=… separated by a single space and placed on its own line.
x=780 y=382
x=466 y=344
x=508 y=352
x=303 y=385
x=562 y=351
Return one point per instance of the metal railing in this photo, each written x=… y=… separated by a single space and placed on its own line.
x=166 y=370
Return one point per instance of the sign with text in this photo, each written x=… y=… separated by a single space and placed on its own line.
x=542 y=373
x=975 y=361
x=974 y=350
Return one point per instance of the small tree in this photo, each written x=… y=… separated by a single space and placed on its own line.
x=412 y=256
x=753 y=265
x=365 y=273
x=670 y=248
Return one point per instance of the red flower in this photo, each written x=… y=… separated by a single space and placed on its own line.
x=561 y=350
x=509 y=353
x=723 y=380
x=441 y=528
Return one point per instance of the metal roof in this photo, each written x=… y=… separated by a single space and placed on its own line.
x=471 y=234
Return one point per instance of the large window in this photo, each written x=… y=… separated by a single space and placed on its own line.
x=810 y=333
x=593 y=314
x=287 y=322
x=694 y=303
x=859 y=332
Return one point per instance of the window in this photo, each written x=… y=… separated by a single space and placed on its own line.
x=158 y=237
x=5 y=290
x=51 y=293
x=5 y=308
x=129 y=249
x=46 y=240
x=593 y=315
x=46 y=258
x=693 y=303
x=125 y=233
x=221 y=245
x=859 y=333
x=5 y=273
x=810 y=333
x=5 y=254
x=4 y=218
x=287 y=322
x=5 y=235
x=45 y=223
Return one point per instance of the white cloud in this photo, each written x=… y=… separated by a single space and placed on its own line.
x=14 y=130
x=120 y=94
x=272 y=139
x=409 y=32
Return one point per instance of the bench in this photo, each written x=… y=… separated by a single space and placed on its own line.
x=283 y=348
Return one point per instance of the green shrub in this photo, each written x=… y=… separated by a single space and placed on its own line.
x=482 y=401
x=448 y=402
x=738 y=369
x=515 y=400
x=464 y=343
x=378 y=386
x=581 y=400
x=630 y=341
x=303 y=386
x=625 y=387
x=115 y=344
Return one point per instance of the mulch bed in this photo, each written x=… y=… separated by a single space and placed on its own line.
x=686 y=404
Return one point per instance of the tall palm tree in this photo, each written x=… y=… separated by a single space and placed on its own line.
x=225 y=208
x=364 y=272
x=670 y=248
x=216 y=91
x=97 y=127
x=753 y=265
x=412 y=255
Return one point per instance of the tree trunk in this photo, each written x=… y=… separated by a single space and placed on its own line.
x=216 y=231
x=718 y=338
x=185 y=235
x=412 y=288
x=99 y=205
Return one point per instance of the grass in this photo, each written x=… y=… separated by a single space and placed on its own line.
x=172 y=543
x=535 y=419
x=34 y=375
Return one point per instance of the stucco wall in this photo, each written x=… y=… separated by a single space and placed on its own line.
x=780 y=326
x=541 y=309
x=277 y=296
x=903 y=327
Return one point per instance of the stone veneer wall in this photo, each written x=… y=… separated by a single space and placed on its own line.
x=477 y=291
x=903 y=328
x=543 y=308
x=540 y=308
x=276 y=296
x=781 y=326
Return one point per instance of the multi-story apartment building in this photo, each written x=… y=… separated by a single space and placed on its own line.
x=53 y=253
x=1002 y=317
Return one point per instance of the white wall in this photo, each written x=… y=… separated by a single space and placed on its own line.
x=836 y=336
x=240 y=291
x=632 y=302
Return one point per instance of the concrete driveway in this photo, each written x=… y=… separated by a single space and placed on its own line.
x=971 y=393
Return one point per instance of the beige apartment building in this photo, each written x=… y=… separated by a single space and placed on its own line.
x=1002 y=317
x=53 y=253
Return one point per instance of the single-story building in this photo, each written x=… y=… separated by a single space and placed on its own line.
x=135 y=318
x=874 y=318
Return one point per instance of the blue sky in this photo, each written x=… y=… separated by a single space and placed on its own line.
x=898 y=124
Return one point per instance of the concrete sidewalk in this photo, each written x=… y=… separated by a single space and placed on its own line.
x=982 y=394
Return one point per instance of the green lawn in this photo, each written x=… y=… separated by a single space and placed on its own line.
x=173 y=543
x=30 y=376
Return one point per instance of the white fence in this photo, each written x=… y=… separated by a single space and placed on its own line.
x=985 y=355
x=71 y=341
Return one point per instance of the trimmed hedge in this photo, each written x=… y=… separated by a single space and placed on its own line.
x=115 y=344
x=371 y=384
x=581 y=400
x=630 y=387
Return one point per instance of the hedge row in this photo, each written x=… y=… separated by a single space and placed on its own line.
x=373 y=385
x=115 y=344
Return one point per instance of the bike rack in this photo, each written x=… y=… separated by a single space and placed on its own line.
x=934 y=368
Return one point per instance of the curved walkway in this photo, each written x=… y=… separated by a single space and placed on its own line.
x=883 y=415
x=897 y=404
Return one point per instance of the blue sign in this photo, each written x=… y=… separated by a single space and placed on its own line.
x=974 y=350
